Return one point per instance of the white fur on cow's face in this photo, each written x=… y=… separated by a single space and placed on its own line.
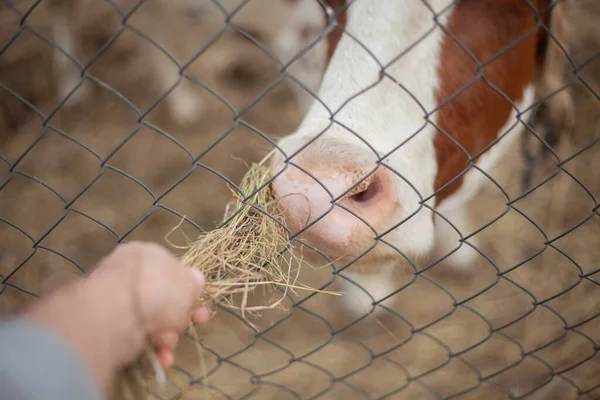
x=384 y=116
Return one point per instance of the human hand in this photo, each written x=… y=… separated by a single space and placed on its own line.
x=139 y=291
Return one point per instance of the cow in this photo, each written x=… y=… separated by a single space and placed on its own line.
x=419 y=100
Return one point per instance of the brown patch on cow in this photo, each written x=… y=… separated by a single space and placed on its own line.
x=336 y=34
x=475 y=117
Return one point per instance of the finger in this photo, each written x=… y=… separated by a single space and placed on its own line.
x=186 y=324
x=166 y=339
x=192 y=284
x=166 y=358
x=198 y=278
x=201 y=315
x=198 y=281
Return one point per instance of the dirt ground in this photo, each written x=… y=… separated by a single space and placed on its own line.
x=75 y=181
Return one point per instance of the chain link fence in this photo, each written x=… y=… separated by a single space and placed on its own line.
x=121 y=118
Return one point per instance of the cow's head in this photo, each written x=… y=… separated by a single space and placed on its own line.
x=413 y=89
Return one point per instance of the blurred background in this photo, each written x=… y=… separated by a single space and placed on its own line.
x=130 y=149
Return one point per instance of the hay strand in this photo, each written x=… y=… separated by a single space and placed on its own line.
x=245 y=252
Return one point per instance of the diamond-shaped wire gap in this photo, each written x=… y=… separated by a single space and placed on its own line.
x=227 y=334
x=244 y=143
x=537 y=330
x=300 y=333
x=101 y=124
x=116 y=199
x=227 y=382
x=266 y=390
x=589 y=328
x=380 y=378
x=201 y=195
x=17 y=249
x=228 y=377
x=497 y=238
x=80 y=239
x=559 y=349
x=453 y=380
x=524 y=378
x=558 y=205
x=198 y=361
x=568 y=352
x=422 y=303
x=421 y=356
x=263 y=357
x=575 y=307
x=230 y=171
x=25 y=193
x=302 y=378
x=495 y=354
x=579 y=246
x=380 y=331
x=415 y=390
x=362 y=313
x=565 y=276
x=495 y=379
x=502 y=304
x=200 y=391
x=341 y=356
x=13 y=297
x=152 y=158
x=580 y=168
x=45 y=271
x=166 y=227
x=463 y=330
x=51 y=158
x=331 y=310
x=558 y=388
x=5 y=171
x=585 y=377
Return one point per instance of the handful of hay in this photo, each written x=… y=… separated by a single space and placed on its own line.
x=245 y=252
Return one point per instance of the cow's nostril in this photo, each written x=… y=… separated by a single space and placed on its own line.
x=372 y=189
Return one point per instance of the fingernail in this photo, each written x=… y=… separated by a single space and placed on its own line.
x=198 y=277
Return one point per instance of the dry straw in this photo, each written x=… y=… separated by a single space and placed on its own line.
x=244 y=253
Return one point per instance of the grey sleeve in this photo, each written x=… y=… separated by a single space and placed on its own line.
x=36 y=363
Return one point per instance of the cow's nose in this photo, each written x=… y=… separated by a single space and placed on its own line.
x=364 y=201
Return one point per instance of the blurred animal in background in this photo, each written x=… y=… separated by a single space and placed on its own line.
x=80 y=30
x=184 y=104
x=563 y=78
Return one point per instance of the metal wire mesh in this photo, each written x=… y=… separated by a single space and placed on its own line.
x=128 y=162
